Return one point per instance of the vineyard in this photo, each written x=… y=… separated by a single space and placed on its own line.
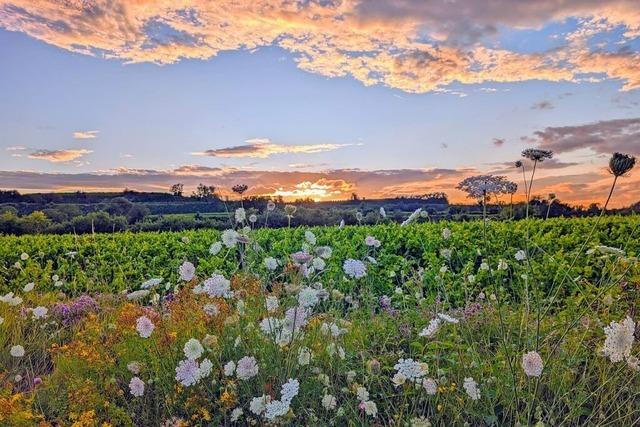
x=419 y=324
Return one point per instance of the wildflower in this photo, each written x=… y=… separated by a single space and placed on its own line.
x=502 y=265
x=483 y=186
x=247 y=368
x=382 y=212
x=185 y=239
x=270 y=263
x=308 y=297
x=133 y=367
x=432 y=328
x=193 y=349
x=276 y=408
x=619 y=164
x=289 y=390
x=1 y=320
x=329 y=402
x=217 y=286
x=532 y=364
x=362 y=394
x=446 y=233
x=137 y=295
x=39 y=312
x=617 y=345
x=215 y=248
x=187 y=271
x=521 y=255
x=272 y=303
x=351 y=376
x=188 y=372
x=136 y=387
x=304 y=356
x=29 y=287
x=413 y=217
x=369 y=408
x=236 y=414
x=310 y=237
x=354 y=268
x=324 y=252
x=271 y=206
x=151 y=283
x=318 y=264
x=372 y=241
x=240 y=215
x=37 y=381
x=211 y=309
x=471 y=387
x=24 y=256
x=17 y=351
x=144 y=326
x=430 y=386
x=448 y=318
x=289 y=210
x=518 y=164
x=229 y=368
x=230 y=238
x=258 y=404
x=537 y=154
x=398 y=379
x=634 y=363
x=253 y=218
x=410 y=369
x=10 y=299
x=205 y=368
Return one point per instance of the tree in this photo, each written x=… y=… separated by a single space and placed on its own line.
x=36 y=222
x=137 y=213
x=204 y=192
x=177 y=189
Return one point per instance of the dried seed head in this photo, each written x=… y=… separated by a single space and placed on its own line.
x=537 y=154
x=518 y=164
x=619 y=164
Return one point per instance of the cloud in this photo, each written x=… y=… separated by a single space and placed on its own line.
x=85 y=134
x=263 y=148
x=543 y=105
x=16 y=148
x=498 y=142
x=59 y=156
x=604 y=137
x=413 y=45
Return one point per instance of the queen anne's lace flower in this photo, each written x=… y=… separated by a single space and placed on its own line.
x=144 y=326
x=532 y=364
x=275 y=409
x=259 y=404
x=39 y=312
x=205 y=368
x=429 y=331
x=211 y=309
x=17 y=351
x=136 y=387
x=617 y=345
x=308 y=297
x=447 y=318
x=272 y=303
x=354 y=268
x=247 y=368
x=133 y=367
x=521 y=255
x=471 y=387
x=229 y=368
x=310 y=237
x=372 y=241
x=151 y=283
x=241 y=215
x=304 y=356
x=329 y=402
x=29 y=287
x=411 y=369
x=187 y=271
x=289 y=390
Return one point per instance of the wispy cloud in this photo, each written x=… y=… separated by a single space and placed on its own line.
x=263 y=148
x=16 y=148
x=413 y=45
x=498 y=142
x=59 y=156
x=543 y=105
x=85 y=134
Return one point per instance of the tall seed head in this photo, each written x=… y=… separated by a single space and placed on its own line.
x=619 y=164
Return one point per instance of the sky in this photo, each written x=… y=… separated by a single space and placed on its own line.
x=318 y=98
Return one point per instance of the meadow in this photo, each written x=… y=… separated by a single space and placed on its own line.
x=529 y=322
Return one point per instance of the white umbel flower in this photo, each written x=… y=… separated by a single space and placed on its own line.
x=247 y=368
x=230 y=238
x=17 y=351
x=329 y=402
x=270 y=263
x=354 y=268
x=432 y=328
x=187 y=270
x=144 y=326
x=136 y=387
x=532 y=364
x=471 y=387
x=617 y=345
x=215 y=248
x=241 y=215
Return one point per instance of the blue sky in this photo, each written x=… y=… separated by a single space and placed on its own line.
x=325 y=116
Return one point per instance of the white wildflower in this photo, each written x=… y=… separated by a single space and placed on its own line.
x=532 y=364
x=215 y=248
x=229 y=368
x=354 y=268
x=432 y=328
x=241 y=215
x=247 y=368
x=471 y=387
x=430 y=386
x=144 y=326
x=329 y=402
x=29 y=287
x=230 y=238
x=270 y=263
x=17 y=351
x=617 y=345
x=39 y=312
x=193 y=349
x=187 y=271
x=136 y=387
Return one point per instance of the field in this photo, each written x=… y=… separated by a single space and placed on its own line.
x=445 y=323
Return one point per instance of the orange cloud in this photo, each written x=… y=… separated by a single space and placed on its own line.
x=263 y=148
x=58 y=156
x=85 y=134
x=413 y=45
